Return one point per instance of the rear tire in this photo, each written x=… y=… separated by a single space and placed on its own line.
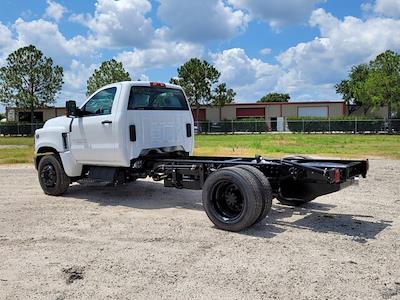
x=52 y=177
x=265 y=188
x=232 y=199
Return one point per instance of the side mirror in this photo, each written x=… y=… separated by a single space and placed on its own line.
x=71 y=108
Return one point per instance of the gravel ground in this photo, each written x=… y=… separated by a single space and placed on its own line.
x=146 y=241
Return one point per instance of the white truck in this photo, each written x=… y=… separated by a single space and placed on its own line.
x=136 y=129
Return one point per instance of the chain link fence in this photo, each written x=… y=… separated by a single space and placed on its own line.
x=300 y=126
x=19 y=129
x=254 y=127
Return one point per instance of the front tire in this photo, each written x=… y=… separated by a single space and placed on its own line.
x=232 y=199
x=52 y=177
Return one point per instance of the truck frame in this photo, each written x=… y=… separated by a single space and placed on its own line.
x=237 y=191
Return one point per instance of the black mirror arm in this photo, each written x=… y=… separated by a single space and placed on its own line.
x=79 y=113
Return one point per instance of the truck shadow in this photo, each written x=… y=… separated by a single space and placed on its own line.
x=312 y=216
x=140 y=194
x=316 y=217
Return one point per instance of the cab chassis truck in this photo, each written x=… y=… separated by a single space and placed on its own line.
x=131 y=130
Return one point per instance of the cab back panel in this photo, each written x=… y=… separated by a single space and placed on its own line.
x=158 y=129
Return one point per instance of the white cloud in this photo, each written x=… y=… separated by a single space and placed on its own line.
x=299 y=88
x=6 y=43
x=278 y=12
x=251 y=78
x=307 y=70
x=326 y=60
x=47 y=37
x=310 y=70
x=389 y=8
x=55 y=10
x=6 y=39
x=202 y=20
x=119 y=23
x=341 y=44
x=265 y=51
x=75 y=78
x=159 y=54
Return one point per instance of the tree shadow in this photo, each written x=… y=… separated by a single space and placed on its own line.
x=314 y=216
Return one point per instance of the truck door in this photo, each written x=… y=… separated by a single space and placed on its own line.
x=93 y=136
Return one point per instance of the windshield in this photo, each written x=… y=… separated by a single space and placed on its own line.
x=156 y=98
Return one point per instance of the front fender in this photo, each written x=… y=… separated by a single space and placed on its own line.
x=47 y=138
x=50 y=138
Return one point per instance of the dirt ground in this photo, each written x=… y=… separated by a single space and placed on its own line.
x=145 y=241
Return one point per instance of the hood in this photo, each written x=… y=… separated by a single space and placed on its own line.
x=62 y=121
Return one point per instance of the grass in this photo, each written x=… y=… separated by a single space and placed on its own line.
x=16 y=150
x=278 y=145
x=20 y=149
x=27 y=141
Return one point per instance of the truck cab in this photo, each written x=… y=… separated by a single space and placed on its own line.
x=119 y=123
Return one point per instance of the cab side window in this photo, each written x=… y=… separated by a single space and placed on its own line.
x=101 y=103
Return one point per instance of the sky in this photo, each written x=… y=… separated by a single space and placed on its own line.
x=300 y=47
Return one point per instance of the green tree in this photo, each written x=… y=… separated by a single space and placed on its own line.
x=222 y=96
x=109 y=72
x=2 y=116
x=197 y=78
x=374 y=84
x=353 y=89
x=383 y=82
x=29 y=80
x=275 y=97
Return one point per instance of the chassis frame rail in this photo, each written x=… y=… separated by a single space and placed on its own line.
x=293 y=177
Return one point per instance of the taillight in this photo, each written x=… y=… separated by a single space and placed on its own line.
x=337 y=176
x=157 y=84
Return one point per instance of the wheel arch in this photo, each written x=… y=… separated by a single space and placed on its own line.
x=42 y=151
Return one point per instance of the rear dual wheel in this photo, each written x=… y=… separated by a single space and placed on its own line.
x=234 y=199
x=266 y=191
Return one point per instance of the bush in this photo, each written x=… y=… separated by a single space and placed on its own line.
x=336 y=125
x=235 y=126
x=396 y=125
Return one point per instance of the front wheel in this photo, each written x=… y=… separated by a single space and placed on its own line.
x=52 y=177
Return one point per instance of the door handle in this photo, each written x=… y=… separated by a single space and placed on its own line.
x=106 y=122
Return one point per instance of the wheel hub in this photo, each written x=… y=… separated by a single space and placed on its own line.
x=228 y=200
x=49 y=175
x=232 y=200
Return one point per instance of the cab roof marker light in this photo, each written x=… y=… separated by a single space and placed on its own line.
x=157 y=84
